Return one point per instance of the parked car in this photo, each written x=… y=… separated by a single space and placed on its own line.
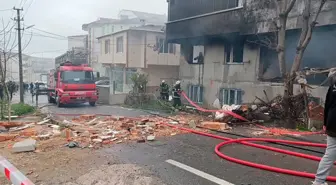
x=103 y=82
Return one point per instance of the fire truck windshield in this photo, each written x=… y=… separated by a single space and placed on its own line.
x=80 y=77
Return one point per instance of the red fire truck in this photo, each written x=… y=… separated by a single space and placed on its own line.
x=70 y=83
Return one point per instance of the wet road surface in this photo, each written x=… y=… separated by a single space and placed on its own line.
x=190 y=159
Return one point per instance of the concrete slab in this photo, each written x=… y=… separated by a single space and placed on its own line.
x=26 y=145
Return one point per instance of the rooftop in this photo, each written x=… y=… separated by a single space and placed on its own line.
x=149 y=28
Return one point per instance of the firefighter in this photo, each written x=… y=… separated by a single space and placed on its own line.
x=1 y=91
x=11 y=88
x=176 y=94
x=31 y=87
x=164 y=91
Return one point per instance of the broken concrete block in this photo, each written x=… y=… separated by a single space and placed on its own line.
x=44 y=136
x=173 y=122
x=97 y=140
x=105 y=137
x=56 y=132
x=151 y=124
x=192 y=124
x=26 y=145
x=150 y=138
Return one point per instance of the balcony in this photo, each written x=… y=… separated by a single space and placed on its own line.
x=198 y=18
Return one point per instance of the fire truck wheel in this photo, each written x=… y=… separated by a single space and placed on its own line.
x=92 y=104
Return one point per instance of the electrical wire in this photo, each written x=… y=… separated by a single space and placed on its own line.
x=31 y=2
x=3 y=10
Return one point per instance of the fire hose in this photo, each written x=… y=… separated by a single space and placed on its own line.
x=240 y=117
x=248 y=142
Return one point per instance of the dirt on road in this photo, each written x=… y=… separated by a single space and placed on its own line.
x=54 y=164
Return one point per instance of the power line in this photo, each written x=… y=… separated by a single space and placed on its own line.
x=3 y=10
x=49 y=32
x=21 y=3
x=31 y=2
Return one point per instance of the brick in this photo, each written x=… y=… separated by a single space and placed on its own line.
x=6 y=137
x=10 y=124
x=26 y=145
x=29 y=132
x=214 y=125
x=87 y=117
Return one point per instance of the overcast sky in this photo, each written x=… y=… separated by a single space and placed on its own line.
x=65 y=17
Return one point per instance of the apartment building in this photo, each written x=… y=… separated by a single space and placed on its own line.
x=139 y=49
x=104 y=26
x=236 y=68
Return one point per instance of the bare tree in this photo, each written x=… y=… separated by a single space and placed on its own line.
x=309 y=21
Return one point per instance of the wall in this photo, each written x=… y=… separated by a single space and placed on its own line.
x=77 y=42
x=155 y=58
x=136 y=49
x=322 y=41
x=106 y=58
x=218 y=74
x=159 y=73
x=255 y=16
x=120 y=57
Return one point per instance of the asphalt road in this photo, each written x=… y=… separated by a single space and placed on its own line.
x=190 y=159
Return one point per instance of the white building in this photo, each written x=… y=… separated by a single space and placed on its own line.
x=105 y=26
x=35 y=67
x=77 y=41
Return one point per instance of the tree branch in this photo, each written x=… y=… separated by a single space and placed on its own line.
x=313 y=24
x=289 y=7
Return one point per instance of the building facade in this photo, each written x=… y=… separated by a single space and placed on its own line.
x=78 y=41
x=139 y=49
x=105 y=26
x=236 y=66
x=36 y=68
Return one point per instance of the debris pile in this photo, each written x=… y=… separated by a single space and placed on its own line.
x=270 y=111
x=89 y=131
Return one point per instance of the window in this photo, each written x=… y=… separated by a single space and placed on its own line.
x=195 y=93
x=164 y=47
x=230 y=96
x=80 y=77
x=107 y=46
x=120 y=44
x=171 y=48
x=234 y=52
x=233 y=3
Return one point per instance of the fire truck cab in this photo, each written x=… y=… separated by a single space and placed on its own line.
x=71 y=84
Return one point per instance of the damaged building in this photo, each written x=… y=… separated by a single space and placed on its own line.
x=235 y=66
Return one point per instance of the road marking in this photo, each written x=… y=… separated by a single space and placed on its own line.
x=199 y=173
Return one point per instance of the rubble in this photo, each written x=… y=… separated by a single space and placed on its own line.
x=215 y=125
x=150 y=138
x=26 y=145
x=90 y=131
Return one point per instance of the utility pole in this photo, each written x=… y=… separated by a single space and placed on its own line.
x=18 y=20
